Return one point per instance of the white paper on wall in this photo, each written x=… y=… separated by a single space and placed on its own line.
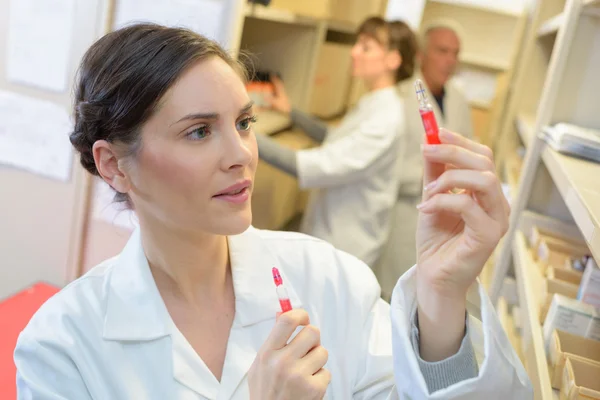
x=105 y=209
x=34 y=136
x=40 y=34
x=202 y=16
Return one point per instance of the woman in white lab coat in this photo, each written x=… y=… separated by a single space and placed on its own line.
x=354 y=173
x=188 y=309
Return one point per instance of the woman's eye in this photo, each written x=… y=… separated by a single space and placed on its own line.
x=246 y=123
x=199 y=133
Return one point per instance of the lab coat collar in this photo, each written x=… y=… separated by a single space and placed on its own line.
x=251 y=262
x=135 y=310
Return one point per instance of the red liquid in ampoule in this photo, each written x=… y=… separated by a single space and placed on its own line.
x=431 y=127
x=286 y=305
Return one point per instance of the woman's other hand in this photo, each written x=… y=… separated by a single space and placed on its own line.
x=290 y=371
x=456 y=234
x=279 y=101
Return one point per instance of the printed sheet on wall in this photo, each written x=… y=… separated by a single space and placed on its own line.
x=202 y=16
x=40 y=34
x=34 y=136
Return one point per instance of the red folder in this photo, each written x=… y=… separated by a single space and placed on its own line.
x=15 y=313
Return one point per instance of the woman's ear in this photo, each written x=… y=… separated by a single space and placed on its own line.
x=393 y=60
x=109 y=167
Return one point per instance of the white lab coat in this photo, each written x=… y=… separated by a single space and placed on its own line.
x=399 y=254
x=355 y=177
x=108 y=335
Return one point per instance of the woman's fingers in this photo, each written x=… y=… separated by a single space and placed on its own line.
x=459 y=157
x=285 y=325
x=315 y=360
x=308 y=338
x=449 y=137
x=462 y=204
x=484 y=184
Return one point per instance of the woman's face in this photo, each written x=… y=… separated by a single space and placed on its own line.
x=369 y=58
x=196 y=165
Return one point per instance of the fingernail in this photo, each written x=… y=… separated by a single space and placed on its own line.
x=430 y=185
x=421 y=205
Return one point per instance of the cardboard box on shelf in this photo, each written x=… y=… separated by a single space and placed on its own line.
x=589 y=290
x=312 y=8
x=580 y=380
x=563 y=345
x=537 y=234
x=568 y=315
x=276 y=194
x=553 y=286
x=355 y=11
x=555 y=252
x=567 y=275
x=332 y=80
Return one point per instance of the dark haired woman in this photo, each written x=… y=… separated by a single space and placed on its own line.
x=355 y=172
x=188 y=310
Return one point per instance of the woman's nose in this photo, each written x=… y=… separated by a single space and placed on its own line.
x=237 y=150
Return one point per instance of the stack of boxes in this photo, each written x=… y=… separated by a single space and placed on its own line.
x=569 y=312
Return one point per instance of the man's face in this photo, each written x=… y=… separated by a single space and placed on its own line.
x=440 y=56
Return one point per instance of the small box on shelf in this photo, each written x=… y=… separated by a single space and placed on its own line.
x=571 y=316
x=589 y=291
x=566 y=345
x=555 y=252
x=554 y=285
x=580 y=380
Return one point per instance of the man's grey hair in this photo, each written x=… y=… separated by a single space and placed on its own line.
x=441 y=23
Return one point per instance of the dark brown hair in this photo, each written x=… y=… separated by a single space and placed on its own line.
x=122 y=79
x=394 y=35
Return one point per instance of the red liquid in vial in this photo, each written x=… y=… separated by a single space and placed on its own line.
x=431 y=127
x=285 y=304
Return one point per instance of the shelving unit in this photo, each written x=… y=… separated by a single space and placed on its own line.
x=556 y=81
x=278 y=15
x=525 y=124
x=551 y=26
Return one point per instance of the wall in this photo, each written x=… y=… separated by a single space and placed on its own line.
x=411 y=11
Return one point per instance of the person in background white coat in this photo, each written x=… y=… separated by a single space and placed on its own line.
x=438 y=60
x=353 y=174
x=189 y=309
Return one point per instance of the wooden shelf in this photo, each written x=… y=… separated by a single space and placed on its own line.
x=342 y=27
x=525 y=124
x=270 y=122
x=471 y=5
x=528 y=283
x=277 y=15
x=577 y=182
x=551 y=26
x=484 y=62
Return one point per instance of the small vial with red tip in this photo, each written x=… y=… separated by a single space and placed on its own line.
x=282 y=294
x=427 y=116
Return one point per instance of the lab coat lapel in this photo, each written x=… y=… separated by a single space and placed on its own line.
x=189 y=369
x=257 y=305
x=134 y=310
